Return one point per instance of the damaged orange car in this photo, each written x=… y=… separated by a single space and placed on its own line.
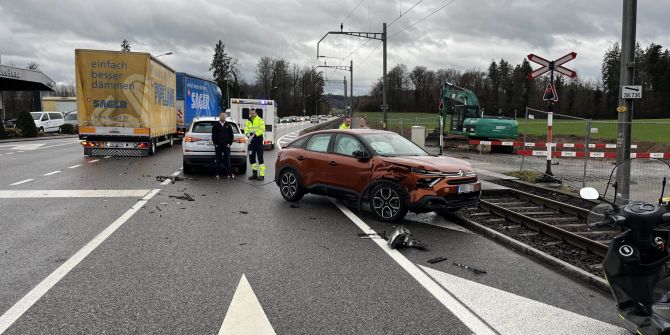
x=380 y=168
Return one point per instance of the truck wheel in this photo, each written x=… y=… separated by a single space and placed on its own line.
x=41 y=131
x=290 y=185
x=188 y=169
x=388 y=202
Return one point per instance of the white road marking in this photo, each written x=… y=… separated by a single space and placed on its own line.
x=10 y=153
x=245 y=314
x=16 y=311
x=107 y=157
x=21 y=182
x=52 y=173
x=59 y=145
x=473 y=321
x=285 y=139
x=74 y=166
x=19 y=194
x=18 y=152
x=95 y=160
x=176 y=173
x=513 y=314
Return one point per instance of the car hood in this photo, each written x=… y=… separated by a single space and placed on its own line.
x=431 y=163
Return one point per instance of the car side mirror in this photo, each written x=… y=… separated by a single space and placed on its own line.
x=589 y=193
x=360 y=154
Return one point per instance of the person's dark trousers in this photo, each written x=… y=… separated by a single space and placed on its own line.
x=256 y=156
x=222 y=161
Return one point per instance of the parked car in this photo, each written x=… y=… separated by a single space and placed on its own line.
x=314 y=119
x=387 y=171
x=284 y=120
x=47 y=122
x=198 y=149
x=10 y=123
x=71 y=118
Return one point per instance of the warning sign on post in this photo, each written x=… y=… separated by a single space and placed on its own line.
x=550 y=93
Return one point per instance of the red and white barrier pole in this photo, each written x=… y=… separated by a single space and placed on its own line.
x=550 y=143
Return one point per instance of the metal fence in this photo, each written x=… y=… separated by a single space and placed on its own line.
x=584 y=151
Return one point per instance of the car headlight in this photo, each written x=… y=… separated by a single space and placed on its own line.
x=418 y=170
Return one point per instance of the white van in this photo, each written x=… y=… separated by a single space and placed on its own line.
x=47 y=122
x=267 y=109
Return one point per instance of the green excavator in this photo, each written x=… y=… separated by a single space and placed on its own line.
x=467 y=117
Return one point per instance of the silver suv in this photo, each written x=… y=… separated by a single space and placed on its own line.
x=198 y=149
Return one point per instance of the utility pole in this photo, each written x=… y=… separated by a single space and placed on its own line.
x=351 y=76
x=351 y=89
x=345 y=95
x=369 y=35
x=625 y=108
x=385 y=106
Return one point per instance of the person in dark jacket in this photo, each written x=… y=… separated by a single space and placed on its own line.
x=222 y=137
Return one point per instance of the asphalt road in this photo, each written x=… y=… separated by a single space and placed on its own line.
x=114 y=251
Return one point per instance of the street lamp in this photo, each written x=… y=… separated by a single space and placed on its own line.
x=165 y=54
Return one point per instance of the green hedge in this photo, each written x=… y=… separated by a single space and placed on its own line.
x=25 y=122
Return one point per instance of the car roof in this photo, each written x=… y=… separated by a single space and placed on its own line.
x=358 y=131
x=211 y=118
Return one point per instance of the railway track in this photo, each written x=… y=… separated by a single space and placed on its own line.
x=529 y=216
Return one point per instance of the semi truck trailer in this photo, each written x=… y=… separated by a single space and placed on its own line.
x=196 y=97
x=126 y=103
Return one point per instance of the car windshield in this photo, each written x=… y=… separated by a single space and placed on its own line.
x=203 y=127
x=71 y=116
x=389 y=144
x=36 y=116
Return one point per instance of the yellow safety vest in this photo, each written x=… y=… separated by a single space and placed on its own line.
x=255 y=126
x=344 y=126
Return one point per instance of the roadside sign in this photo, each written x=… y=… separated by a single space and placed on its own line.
x=550 y=93
x=631 y=92
x=552 y=66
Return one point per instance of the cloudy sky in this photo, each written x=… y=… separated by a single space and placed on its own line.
x=463 y=35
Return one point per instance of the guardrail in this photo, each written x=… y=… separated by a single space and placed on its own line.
x=332 y=124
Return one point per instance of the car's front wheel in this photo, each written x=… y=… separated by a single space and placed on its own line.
x=388 y=202
x=290 y=185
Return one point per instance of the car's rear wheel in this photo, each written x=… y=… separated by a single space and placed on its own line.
x=290 y=185
x=388 y=202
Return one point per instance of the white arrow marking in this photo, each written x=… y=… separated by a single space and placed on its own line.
x=509 y=313
x=245 y=314
x=30 y=146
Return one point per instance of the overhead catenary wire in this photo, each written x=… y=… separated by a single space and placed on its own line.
x=353 y=10
x=373 y=51
x=423 y=18
x=403 y=14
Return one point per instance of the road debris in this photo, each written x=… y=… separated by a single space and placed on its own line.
x=469 y=268
x=244 y=212
x=186 y=196
x=295 y=206
x=436 y=260
x=400 y=239
x=373 y=235
x=173 y=178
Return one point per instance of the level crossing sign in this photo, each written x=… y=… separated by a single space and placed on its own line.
x=550 y=93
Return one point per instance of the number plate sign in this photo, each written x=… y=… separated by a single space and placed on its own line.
x=467 y=188
x=631 y=92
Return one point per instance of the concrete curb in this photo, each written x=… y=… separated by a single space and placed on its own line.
x=30 y=139
x=554 y=262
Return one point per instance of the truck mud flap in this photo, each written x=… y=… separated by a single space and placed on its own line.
x=115 y=152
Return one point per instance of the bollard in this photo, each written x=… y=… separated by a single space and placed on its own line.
x=419 y=136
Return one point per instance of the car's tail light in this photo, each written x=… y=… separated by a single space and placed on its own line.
x=240 y=140
x=192 y=139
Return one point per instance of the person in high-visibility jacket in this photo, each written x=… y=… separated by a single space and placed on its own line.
x=347 y=123
x=254 y=129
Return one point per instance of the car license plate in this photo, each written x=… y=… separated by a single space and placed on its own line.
x=115 y=145
x=467 y=188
